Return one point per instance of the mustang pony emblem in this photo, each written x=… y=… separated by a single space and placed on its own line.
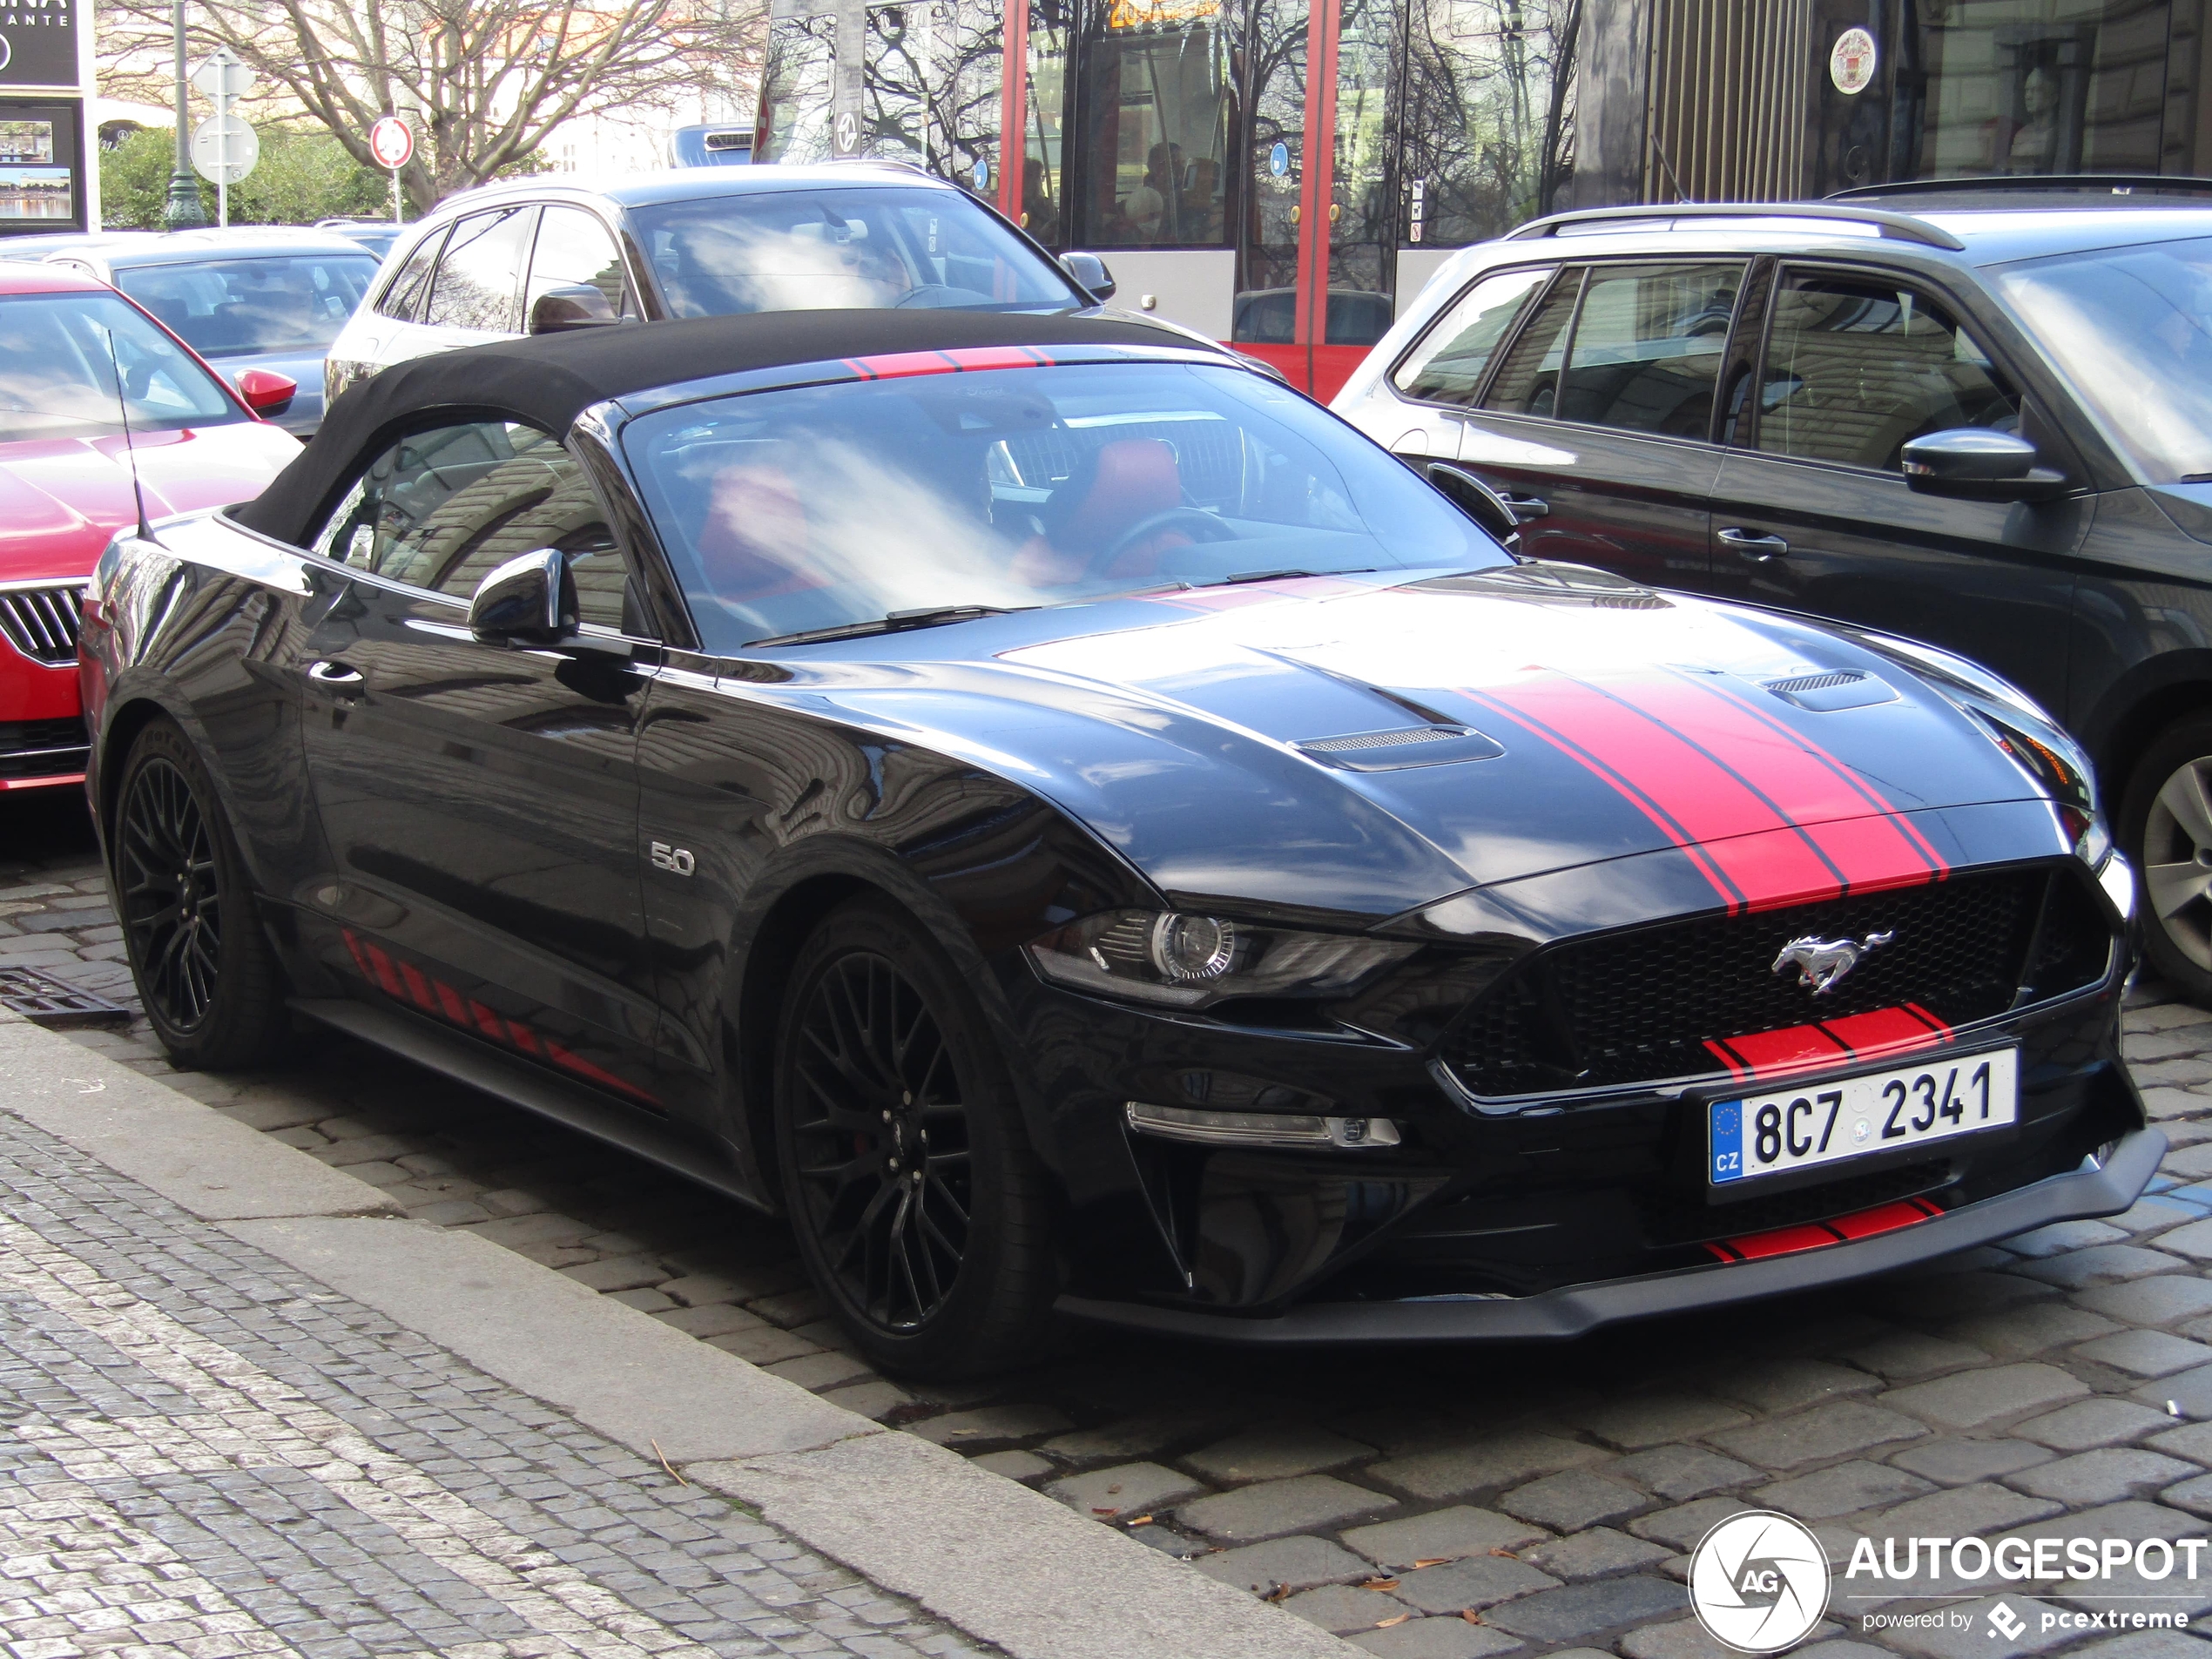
x=1821 y=963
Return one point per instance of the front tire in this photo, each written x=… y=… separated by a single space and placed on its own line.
x=919 y=1207
x=205 y=972
x=2167 y=824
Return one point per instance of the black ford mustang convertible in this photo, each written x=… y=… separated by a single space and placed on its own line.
x=1079 y=829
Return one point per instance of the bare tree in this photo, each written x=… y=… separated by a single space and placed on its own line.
x=483 y=81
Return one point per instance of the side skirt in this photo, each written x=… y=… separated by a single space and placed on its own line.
x=519 y=1083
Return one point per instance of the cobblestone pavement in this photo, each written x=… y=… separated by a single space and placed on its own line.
x=1437 y=1504
x=209 y=1455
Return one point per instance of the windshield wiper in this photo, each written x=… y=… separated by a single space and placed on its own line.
x=1241 y=577
x=898 y=621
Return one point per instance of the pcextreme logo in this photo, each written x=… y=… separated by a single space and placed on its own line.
x=1758 y=1582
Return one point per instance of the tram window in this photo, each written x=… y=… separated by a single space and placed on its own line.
x=1446 y=366
x=1646 y=348
x=1043 y=186
x=1527 y=380
x=1159 y=122
x=800 y=67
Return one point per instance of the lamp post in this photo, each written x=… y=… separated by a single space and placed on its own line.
x=181 y=211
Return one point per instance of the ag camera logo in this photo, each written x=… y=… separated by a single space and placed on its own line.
x=1759 y=1582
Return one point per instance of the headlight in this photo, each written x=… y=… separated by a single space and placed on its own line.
x=1178 y=960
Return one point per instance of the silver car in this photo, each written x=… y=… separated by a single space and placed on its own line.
x=248 y=297
x=542 y=255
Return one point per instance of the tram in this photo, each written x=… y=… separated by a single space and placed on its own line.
x=1280 y=174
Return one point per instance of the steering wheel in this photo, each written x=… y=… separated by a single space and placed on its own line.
x=1200 y=527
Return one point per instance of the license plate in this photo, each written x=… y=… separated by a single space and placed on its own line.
x=1827 y=1123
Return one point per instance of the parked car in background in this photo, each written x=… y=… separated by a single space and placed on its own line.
x=38 y=244
x=711 y=146
x=67 y=472
x=251 y=297
x=1078 y=829
x=1920 y=408
x=540 y=255
x=377 y=235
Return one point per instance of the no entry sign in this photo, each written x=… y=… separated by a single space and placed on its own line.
x=391 y=143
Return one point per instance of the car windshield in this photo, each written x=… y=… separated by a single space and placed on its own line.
x=833 y=506
x=246 y=307
x=845 y=248
x=2132 y=329
x=58 y=355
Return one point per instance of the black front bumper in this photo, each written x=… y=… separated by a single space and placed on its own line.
x=2104 y=1190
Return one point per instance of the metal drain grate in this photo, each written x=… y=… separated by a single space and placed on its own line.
x=48 y=1001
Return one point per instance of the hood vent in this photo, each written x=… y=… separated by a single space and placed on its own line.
x=1416 y=746
x=1842 y=688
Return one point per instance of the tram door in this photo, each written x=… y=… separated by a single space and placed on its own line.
x=1316 y=259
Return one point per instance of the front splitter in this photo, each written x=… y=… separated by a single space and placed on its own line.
x=1574 y=1309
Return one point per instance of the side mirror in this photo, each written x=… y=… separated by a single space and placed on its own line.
x=266 y=393
x=581 y=306
x=530 y=600
x=1091 y=273
x=1478 y=501
x=1974 y=463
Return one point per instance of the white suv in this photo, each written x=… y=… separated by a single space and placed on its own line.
x=538 y=255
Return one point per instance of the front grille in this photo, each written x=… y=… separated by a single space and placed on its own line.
x=41 y=623
x=1639 y=1006
x=42 y=748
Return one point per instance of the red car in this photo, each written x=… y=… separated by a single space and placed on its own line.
x=66 y=479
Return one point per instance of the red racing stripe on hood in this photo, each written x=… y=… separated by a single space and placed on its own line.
x=1774 y=820
x=1709 y=803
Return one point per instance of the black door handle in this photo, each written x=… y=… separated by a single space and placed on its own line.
x=1527 y=507
x=1755 y=545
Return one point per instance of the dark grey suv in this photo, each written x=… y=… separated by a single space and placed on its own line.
x=1985 y=422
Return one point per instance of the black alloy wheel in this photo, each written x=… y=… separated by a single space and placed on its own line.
x=166 y=860
x=205 y=970
x=915 y=1199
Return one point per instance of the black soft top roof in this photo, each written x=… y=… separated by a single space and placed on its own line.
x=547 y=381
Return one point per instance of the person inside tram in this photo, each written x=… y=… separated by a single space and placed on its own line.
x=1145 y=210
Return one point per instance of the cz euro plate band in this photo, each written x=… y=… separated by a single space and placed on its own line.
x=1832 y=1121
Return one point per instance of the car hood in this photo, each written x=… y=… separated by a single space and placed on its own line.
x=61 y=499
x=1531 y=719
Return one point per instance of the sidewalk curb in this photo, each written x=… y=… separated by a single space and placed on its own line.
x=1005 y=1564
x=218 y=1169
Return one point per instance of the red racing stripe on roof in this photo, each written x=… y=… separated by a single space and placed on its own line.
x=893 y=366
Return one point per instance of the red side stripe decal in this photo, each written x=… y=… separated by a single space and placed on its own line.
x=405 y=983
x=1818 y=1235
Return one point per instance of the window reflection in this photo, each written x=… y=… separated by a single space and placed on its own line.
x=796 y=80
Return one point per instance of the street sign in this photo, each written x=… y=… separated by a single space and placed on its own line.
x=223 y=76
x=224 y=149
x=391 y=142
